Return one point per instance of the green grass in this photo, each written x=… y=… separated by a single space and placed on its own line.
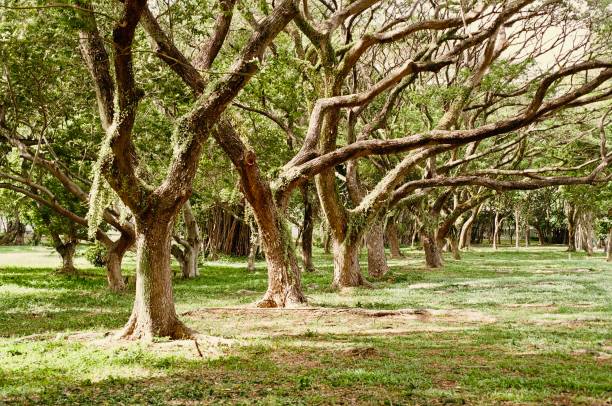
x=506 y=327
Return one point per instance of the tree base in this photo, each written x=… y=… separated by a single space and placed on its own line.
x=273 y=300
x=134 y=330
x=67 y=270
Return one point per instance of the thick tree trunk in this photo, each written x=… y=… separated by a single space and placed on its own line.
x=347 y=272
x=284 y=279
x=394 y=242
x=66 y=250
x=67 y=253
x=433 y=257
x=153 y=314
x=377 y=262
x=307 y=230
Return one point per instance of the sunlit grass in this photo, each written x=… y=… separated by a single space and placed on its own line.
x=516 y=327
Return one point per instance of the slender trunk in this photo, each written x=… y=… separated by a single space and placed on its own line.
x=327 y=243
x=346 y=264
x=465 y=235
x=394 y=242
x=307 y=229
x=153 y=314
x=377 y=262
x=252 y=256
x=587 y=241
x=433 y=257
x=194 y=242
x=571 y=228
x=517 y=228
x=496 y=235
x=454 y=246
x=527 y=229
x=540 y=235
x=609 y=257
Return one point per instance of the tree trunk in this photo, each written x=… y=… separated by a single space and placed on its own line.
x=116 y=251
x=527 y=230
x=465 y=234
x=14 y=234
x=377 y=262
x=153 y=314
x=571 y=228
x=609 y=257
x=327 y=243
x=540 y=235
x=284 y=279
x=307 y=229
x=252 y=256
x=394 y=242
x=498 y=224
x=517 y=228
x=66 y=250
x=454 y=246
x=346 y=264
x=433 y=257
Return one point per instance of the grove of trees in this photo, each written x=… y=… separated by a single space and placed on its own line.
x=188 y=129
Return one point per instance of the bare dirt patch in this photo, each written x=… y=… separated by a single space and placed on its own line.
x=254 y=322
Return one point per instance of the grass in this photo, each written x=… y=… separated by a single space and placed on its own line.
x=509 y=327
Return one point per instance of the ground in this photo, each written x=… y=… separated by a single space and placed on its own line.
x=532 y=326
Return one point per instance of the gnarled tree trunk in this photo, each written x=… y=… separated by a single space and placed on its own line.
x=188 y=256
x=377 y=262
x=153 y=314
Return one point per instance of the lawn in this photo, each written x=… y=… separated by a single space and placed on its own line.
x=532 y=326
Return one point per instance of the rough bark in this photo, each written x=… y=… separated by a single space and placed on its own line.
x=346 y=265
x=307 y=230
x=377 y=261
x=153 y=314
x=571 y=228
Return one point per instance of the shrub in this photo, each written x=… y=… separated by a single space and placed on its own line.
x=96 y=254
